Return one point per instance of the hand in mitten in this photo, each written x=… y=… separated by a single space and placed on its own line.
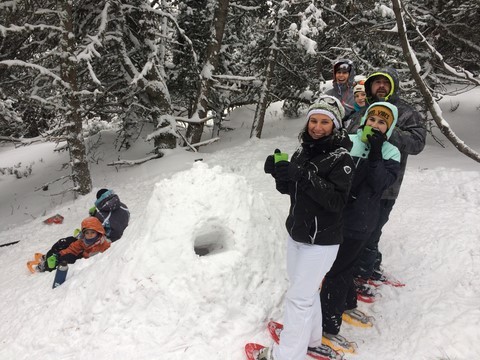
x=52 y=262
x=281 y=170
x=376 y=141
x=269 y=166
x=92 y=210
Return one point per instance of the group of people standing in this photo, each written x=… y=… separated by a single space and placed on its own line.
x=343 y=181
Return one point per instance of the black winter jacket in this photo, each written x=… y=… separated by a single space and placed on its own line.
x=318 y=198
x=113 y=214
x=363 y=208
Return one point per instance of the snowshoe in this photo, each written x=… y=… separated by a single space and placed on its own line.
x=365 y=292
x=37 y=265
x=385 y=279
x=55 y=219
x=256 y=352
x=366 y=299
x=324 y=352
x=339 y=343
x=357 y=318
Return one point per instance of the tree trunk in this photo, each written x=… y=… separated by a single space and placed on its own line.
x=432 y=105
x=195 y=131
x=166 y=140
x=78 y=160
x=264 y=99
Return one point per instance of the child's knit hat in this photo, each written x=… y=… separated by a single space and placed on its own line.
x=382 y=111
x=359 y=87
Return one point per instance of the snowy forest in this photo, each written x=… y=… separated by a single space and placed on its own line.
x=69 y=69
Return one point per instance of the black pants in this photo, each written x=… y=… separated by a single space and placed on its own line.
x=338 y=290
x=371 y=258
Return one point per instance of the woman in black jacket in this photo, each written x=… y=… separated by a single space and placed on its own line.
x=318 y=179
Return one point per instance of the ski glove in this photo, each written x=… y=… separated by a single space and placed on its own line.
x=376 y=141
x=92 y=210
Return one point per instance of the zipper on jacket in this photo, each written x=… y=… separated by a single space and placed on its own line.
x=293 y=208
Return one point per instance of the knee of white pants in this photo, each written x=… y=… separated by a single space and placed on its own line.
x=299 y=301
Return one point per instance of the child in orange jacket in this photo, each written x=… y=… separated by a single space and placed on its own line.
x=90 y=241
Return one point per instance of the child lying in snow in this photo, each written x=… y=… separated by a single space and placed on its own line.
x=89 y=242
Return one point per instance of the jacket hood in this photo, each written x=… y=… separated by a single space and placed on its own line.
x=109 y=201
x=351 y=75
x=94 y=224
x=392 y=108
x=392 y=75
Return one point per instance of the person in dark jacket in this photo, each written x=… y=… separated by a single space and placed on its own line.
x=377 y=164
x=409 y=137
x=343 y=83
x=318 y=180
x=112 y=213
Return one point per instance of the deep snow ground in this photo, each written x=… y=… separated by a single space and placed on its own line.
x=151 y=297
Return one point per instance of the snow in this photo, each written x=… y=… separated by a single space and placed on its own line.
x=150 y=296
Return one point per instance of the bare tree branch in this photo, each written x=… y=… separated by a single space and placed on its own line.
x=53 y=181
x=135 y=162
x=432 y=105
x=462 y=73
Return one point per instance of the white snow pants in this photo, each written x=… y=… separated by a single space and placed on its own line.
x=306 y=268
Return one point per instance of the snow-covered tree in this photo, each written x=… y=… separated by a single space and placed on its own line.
x=70 y=62
x=289 y=55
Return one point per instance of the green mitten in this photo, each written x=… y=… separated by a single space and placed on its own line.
x=92 y=210
x=52 y=261
x=280 y=157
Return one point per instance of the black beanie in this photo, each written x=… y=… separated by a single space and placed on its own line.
x=101 y=192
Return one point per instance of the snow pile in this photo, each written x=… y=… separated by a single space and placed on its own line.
x=205 y=251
